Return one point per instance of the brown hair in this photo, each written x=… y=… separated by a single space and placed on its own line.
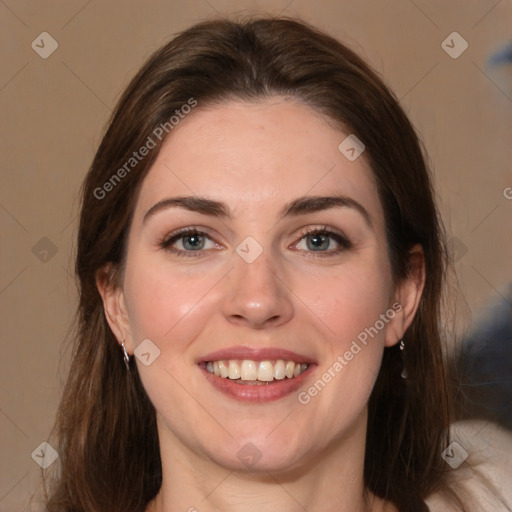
x=106 y=429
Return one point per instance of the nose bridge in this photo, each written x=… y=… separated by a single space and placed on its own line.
x=257 y=295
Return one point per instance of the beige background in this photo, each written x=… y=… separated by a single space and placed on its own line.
x=53 y=112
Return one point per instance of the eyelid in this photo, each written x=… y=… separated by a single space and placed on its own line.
x=168 y=240
x=321 y=228
x=339 y=236
x=184 y=231
x=328 y=230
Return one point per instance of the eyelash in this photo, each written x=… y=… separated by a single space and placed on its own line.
x=340 y=239
x=167 y=242
x=343 y=242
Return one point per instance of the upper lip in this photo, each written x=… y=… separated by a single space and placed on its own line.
x=255 y=354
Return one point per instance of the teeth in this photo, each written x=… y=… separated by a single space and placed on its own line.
x=234 y=370
x=279 y=370
x=224 y=371
x=264 y=371
x=248 y=370
x=290 y=367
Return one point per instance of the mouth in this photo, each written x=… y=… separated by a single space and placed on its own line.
x=256 y=375
x=255 y=372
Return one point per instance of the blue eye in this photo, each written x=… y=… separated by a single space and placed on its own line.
x=193 y=241
x=323 y=241
x=318 y=242
x=187 y=241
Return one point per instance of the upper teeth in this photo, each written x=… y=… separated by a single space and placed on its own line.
x=256 y=370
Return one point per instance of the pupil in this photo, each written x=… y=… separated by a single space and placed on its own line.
x=318 y=241
x=193 y=241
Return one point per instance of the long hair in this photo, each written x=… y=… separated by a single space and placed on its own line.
x=106 y=427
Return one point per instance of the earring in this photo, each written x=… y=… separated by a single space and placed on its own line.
x=404 y=371
x=126 y=357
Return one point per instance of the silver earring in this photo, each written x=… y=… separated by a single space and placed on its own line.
x=404 y=371
x=126 y=357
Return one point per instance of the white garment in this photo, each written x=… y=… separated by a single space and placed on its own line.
x=483 y=481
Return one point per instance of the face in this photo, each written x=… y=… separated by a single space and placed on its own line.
x=257 y=243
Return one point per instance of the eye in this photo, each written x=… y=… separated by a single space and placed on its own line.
x=324 y=241
x=187 y=241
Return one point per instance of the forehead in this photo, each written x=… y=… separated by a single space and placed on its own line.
x=259 y=154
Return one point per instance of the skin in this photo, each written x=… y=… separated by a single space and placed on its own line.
x=255 y=158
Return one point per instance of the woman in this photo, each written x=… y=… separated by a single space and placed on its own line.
x=260 y=263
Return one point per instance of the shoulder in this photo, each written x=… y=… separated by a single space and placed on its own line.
x=479 y=460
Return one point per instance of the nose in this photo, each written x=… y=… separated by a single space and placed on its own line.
x=257 y=296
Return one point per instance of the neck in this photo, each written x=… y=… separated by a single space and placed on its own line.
x=331 y=481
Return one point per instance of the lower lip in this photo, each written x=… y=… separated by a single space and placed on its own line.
x=257 y=393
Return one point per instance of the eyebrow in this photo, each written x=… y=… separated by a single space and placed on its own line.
x=299 y=206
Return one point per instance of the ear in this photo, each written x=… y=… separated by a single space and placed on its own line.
x=114 y=305
x=407 y=296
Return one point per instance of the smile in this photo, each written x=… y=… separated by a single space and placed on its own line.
x=256 y=372
x=256 y=375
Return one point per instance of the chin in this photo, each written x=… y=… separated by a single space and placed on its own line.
x=257 y=455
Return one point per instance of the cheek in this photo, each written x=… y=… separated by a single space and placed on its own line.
x=350 y=306
x=161 y=301
x=349 y=301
